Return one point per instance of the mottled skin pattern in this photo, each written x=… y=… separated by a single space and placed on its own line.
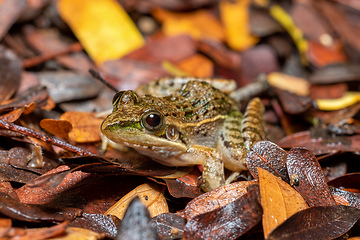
x=200 y=125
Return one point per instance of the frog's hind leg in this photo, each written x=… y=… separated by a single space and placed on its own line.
x=239 y=135
x=253 y=124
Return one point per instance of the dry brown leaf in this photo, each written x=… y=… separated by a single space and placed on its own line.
x=278 y=200
x=150 y=195
x=60 y=128
x=197 y=65
x=216 y=198
x=85 y=126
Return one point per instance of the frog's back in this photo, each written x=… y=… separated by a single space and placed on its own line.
x=199 y=102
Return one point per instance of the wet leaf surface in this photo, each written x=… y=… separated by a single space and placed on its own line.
x=98 y=223
x=217 y=198
x=169 y=225
x=348 y=181
x=318 y=223
x=229 y=221
x=321 y=144
x=307 y=177
x=269 y=156
x=352 y=199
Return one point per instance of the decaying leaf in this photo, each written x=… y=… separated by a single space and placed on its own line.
x=321 y=144
x=278 y=200
x=348 y=182
x=169 y=225
x=325 y=222
x=269 y=156
x=149 y=194
x=34 y=233
x=184 y=186
x=308 y=178
x=229 y=221
x=349 y=198
x=217 y=198
x=98 y=223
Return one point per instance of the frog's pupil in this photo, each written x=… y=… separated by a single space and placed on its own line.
x=153 y=120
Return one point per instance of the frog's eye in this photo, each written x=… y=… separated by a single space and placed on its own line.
x=152 y=120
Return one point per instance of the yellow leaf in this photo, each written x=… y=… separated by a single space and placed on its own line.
x=235 y=17
x=198 y=24
x=286 y=21
x=103 y=28
x=278 y=200
x=149 y=194
x=347 y=100
x=289 y=83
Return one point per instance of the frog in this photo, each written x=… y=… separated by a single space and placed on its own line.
x=187 y=121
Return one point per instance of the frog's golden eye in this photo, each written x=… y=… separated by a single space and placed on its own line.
x=152 y=120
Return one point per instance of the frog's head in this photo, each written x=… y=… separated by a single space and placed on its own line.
x=140 y=123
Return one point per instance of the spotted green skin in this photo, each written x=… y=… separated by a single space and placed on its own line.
x=210 y=129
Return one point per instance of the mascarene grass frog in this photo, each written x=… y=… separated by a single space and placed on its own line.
x=187 y=121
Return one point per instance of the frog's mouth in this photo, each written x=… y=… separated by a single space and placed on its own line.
x=157 y=148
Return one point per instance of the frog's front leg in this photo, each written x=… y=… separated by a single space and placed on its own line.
x=213 y=167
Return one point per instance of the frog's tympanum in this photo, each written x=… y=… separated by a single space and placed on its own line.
x=187 y=121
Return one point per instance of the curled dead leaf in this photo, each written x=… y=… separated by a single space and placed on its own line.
x=150 y=195
x=85 y=126
x=311 y=181
x=60 y=128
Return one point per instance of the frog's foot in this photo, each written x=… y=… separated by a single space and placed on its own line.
x=213 y=174
x=233 y=176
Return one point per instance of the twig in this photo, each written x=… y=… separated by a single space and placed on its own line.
x=97 y=76
x=253 y=89
x=75 y=47
x=32 y=133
